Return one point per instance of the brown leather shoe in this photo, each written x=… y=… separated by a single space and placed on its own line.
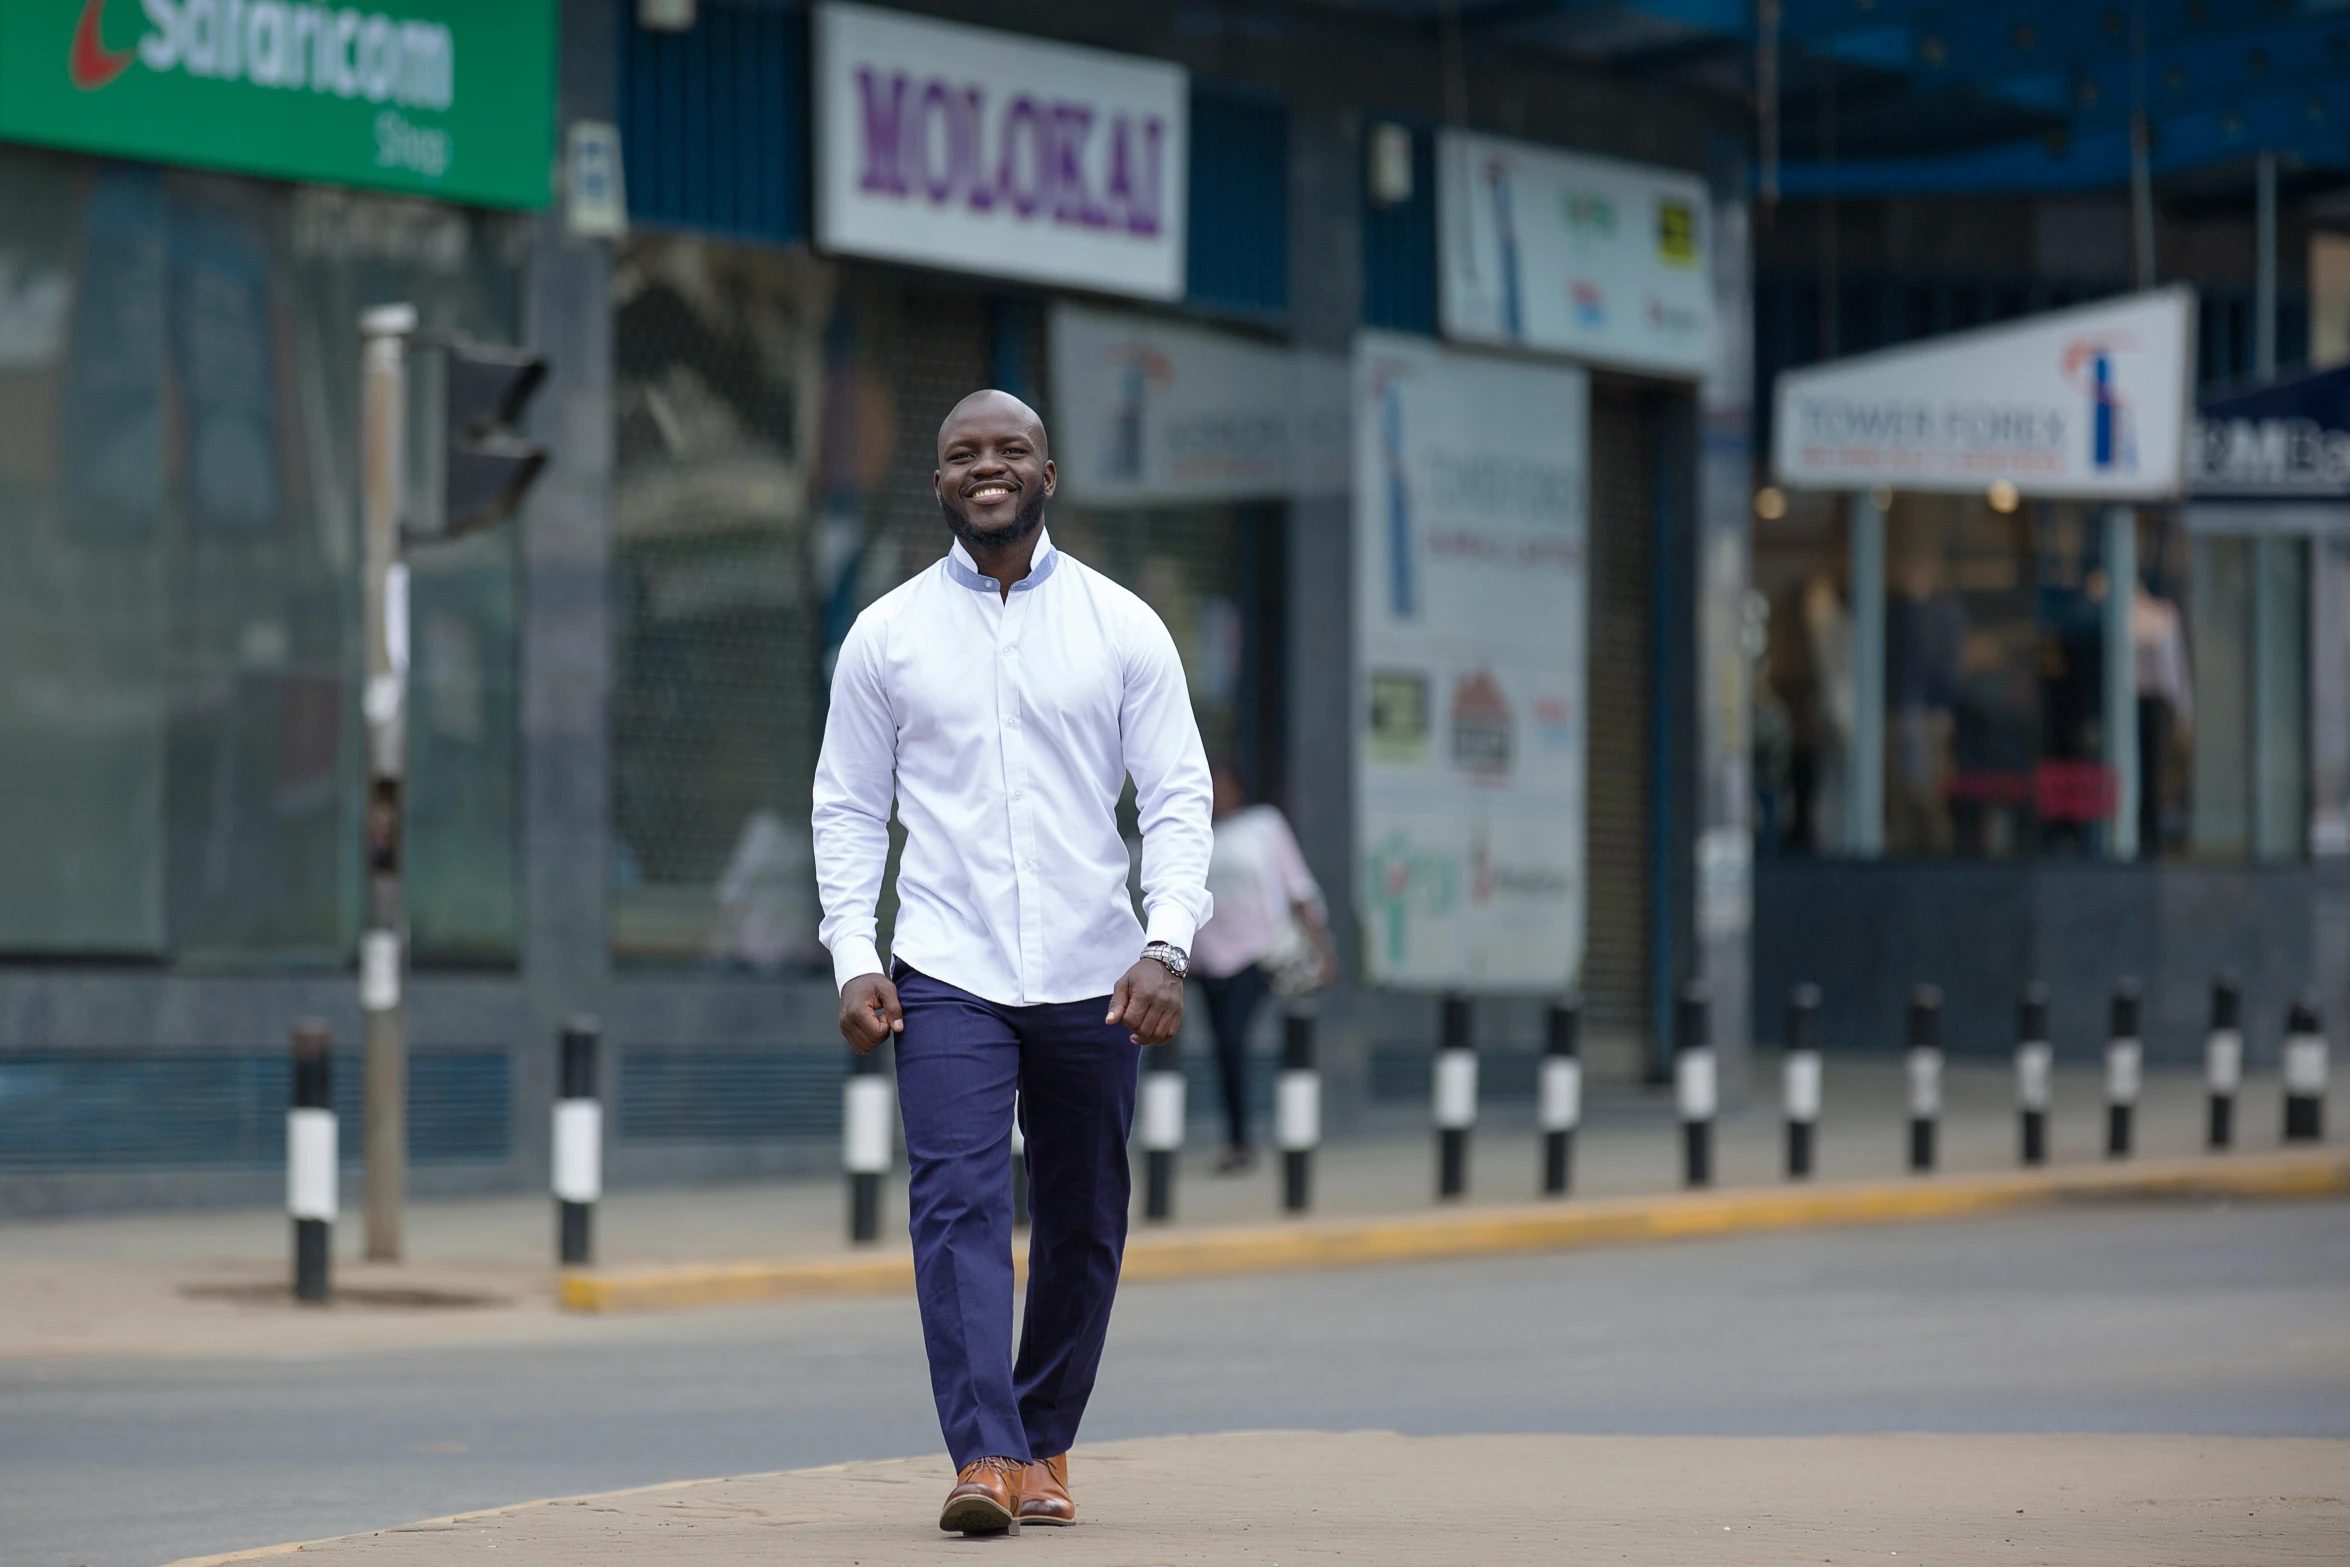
x=1044 y=1492
x=986 y=1497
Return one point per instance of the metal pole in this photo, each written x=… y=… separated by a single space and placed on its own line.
x=1864 y=796
x=1923 y=1070
x=311 y=1163
x=383 y=405
x=2124 y=1056
x=2223 y=1062
x=1800 y=1079
x=2264 y=284
x=578 y=1145
x=1695 y=1084
x=2121 y=683
x=1561 y=1106
x=2035 y=1069
x=1298 y=1108
x=1456 y=1096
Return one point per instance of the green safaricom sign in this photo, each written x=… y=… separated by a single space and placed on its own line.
x=446 y=98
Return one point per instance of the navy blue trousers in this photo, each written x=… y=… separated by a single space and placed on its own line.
x=959 y=1061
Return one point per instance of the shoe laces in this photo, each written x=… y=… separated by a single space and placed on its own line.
x=1009 y=1468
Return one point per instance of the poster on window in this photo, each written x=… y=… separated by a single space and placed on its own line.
x=1471 y=501
x=1604 y=260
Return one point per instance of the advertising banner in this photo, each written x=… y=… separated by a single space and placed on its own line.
x=1150 y=411
x=983 y=151
x=1586 y=256
x=2087 y=404
x=435 y=97
x=1471 y=499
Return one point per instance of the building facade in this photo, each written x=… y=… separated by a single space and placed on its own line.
x=1221 y=217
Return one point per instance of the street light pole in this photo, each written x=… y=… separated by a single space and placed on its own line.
x=383 y=403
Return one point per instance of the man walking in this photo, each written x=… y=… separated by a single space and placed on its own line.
x=1001 y=699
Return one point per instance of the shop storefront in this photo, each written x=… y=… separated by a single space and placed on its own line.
x=199 y=202
x=2028 y=711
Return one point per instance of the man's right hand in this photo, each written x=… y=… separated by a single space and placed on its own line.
x=869 y=1012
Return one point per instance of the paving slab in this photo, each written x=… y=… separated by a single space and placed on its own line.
x=1274 y=1497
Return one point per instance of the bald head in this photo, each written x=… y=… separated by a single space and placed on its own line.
x=989 y=408
x=994 y=471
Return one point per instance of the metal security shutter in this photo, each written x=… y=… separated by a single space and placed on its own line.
x=1615 y=960
x=1238 y=233
x=713 y=121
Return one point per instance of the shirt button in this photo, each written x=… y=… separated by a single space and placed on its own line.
x=1015 y=794
x=1012 y=721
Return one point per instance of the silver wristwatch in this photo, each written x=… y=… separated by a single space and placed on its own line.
x=1177 y=960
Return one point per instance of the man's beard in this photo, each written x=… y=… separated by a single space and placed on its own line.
x=1023 y=523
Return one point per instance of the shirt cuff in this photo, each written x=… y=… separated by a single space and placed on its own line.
x=855 y=955
x=1171 y=923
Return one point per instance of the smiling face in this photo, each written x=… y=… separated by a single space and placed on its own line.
x=994 y=471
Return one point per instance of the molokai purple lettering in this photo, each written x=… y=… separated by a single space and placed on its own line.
x=933 y=139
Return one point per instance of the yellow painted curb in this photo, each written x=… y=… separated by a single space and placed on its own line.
x=1479 y=1232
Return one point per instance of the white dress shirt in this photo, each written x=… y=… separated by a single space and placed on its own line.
x=1005 y=727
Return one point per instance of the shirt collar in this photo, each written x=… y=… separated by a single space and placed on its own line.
x=965 y=570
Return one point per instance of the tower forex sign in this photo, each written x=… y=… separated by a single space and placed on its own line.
x=981 y=151
x=2089 y=404
x=438 y=97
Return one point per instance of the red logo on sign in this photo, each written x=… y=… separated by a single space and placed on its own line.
x=91 y=64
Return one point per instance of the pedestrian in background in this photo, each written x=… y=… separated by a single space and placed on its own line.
x=1269 y=935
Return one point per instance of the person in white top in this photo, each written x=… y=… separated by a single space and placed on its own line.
x=999 y=701
x=1268 y=915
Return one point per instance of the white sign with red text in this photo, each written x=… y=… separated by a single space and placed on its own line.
x=983 y=151
x=1471 y=500
x=2091 y=403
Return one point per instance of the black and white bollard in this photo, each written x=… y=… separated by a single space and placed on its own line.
x=2035 y=1074
x=2223 y=1062
x=1923 y=1070
x=2124 y=1062
x=1297 y=1108
x=1019 y=1168
x=1455 y=1096
x=865 y=1142
x=311 y=1162
x=578 y=1149
x=2305 y=1074
x=1560 y=1101
x=1799 y=1079
x=1162 y=1129
x=1696 y=1084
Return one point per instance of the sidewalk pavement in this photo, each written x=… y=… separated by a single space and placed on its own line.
x=194 y=1283
x=1274 y=1497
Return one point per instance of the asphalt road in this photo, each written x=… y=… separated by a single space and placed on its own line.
x=2184 y=1320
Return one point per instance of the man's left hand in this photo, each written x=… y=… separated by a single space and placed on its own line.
x=1149 y=1001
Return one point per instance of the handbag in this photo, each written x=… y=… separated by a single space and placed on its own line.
x=1293 y=964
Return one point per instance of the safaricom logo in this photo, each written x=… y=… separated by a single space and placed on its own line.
x=292 y=46
x=350 y=54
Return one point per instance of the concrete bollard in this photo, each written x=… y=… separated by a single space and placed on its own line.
x=2124 y=1059
x=577 y=1146
x=1162 y=1129
x=865 y=1142
x=311 y=1161
x=1297 y=1108
x=1560 y=1103
x=1696 y=1084
x=1800 y=1079
x=2035 y=1074
x=1455 y=1095
x=2305 y=1068
x=2223 y=1062
x=1019 y=1168
x=1923 y=1069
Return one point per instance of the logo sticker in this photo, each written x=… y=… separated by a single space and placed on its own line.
x=90 y=63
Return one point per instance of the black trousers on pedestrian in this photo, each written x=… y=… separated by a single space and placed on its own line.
x=1232 y=1006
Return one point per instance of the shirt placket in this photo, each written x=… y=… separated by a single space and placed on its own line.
x=1019 y=793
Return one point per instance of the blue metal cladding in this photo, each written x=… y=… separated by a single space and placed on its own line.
x=719 y=1094
x=1238 y=226
x=112 y=1110
x=714 y=121
x=1399 y=250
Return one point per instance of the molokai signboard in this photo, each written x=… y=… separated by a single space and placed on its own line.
x=446 y=98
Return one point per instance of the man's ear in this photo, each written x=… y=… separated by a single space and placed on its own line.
x=1052 y=478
